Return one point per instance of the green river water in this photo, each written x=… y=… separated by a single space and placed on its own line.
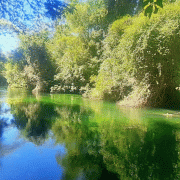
x=68 y=137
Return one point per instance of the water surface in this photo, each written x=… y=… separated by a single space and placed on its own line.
x=68 y=137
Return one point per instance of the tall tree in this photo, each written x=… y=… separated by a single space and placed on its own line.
x=141 y=60
x=76 y=46
x=39 y=69
x=118 y=8
x=2 y=61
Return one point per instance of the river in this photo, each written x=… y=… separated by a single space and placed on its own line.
x=53 y=137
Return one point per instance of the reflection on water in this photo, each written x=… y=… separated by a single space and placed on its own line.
x=27 y=149
x=82 y=139
x=119 y=150
x=141 y=154
x=70 y=138
x=159 y=154
x=33 y=120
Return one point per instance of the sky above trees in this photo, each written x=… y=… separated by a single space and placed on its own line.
x=35 y=15
x=8 y=43
x=27 y=15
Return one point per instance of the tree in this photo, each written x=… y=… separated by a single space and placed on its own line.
x=86 y=17
x=76 y=46
x=54 y=8
x=3 y=59
x=73 y=63
x=38 y=68
x=119 y=8
x=112 y=82
x=17 y=55
x=143 y=63
x=19 y=12
x=30 y=65
x=32 y=119
x=152 y=6
x=14 y=75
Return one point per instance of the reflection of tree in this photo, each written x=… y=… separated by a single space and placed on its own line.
x=1 y=128
x=3 y=59
x=111 y=149
x=1 y=131
x=83 y=159
x=134 y=153
x=120 y=146
x=159 y=154
x=0 y=140
x=114 y=149
x=33 y=119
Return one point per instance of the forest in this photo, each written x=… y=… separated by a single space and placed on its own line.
x=125 y=51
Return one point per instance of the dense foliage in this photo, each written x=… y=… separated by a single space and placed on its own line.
x=140 y=59
x=38 y=70
x=2 y=61
x=104 y=49
x=76 y=46
x=33 y=69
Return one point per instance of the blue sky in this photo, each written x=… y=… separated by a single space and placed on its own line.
x=8 y=42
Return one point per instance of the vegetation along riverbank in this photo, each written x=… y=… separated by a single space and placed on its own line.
x=125 y=51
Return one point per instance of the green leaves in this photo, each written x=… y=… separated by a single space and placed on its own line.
x=77 y=46
x=37 y=67
x=140 y=58
x=152 y=6
x=85 y=17
x=14 y=76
